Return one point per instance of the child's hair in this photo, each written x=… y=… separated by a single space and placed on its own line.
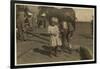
x=53 y=19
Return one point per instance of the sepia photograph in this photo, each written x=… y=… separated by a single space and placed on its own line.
x=52 y=34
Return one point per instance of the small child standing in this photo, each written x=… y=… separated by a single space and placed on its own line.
x=55 y=39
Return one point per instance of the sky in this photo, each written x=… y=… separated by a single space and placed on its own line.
x=84 y=14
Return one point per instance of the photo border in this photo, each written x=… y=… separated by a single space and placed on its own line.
x=12 y=34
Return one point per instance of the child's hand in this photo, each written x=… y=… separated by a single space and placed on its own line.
x=62 y=30
x=54 y=34
x=60 y=36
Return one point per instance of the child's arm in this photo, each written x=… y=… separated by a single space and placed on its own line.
x=49 y=31
x=57 y=30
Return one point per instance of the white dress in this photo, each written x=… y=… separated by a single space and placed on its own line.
x=55 y=39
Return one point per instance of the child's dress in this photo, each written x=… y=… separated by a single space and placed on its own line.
x=55 y=37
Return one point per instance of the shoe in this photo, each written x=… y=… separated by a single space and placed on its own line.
x=56 y=55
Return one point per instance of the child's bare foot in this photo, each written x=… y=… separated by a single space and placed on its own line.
x=51 y=55
x=56 y=55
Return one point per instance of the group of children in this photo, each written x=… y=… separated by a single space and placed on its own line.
x=55 y=35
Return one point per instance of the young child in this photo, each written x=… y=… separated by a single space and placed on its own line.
x=54 y=32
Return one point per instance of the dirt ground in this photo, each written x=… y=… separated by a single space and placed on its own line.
x=35 y=49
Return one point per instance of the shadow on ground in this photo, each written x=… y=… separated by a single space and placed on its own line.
x=42 y=51
x=45 y=50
